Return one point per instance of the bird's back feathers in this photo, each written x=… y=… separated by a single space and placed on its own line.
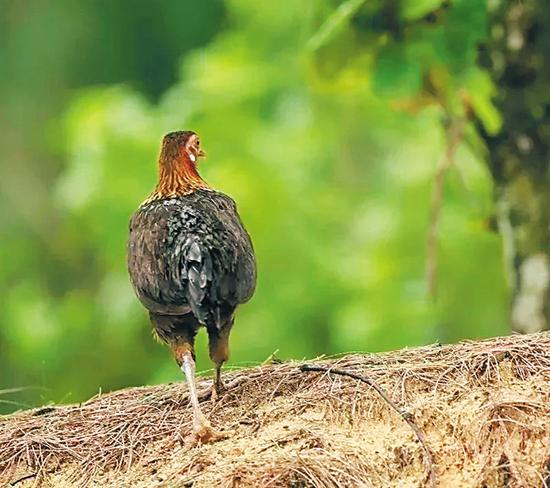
x=191 y=254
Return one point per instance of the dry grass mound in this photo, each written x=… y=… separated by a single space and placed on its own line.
x=480 y=409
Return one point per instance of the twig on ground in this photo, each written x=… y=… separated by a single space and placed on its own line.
x=27 y=477
x=406 y=416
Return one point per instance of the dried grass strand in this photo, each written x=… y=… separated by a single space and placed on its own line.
x=406 y=416
x=483 y=408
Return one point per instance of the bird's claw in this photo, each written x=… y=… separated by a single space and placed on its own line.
x=204 y=433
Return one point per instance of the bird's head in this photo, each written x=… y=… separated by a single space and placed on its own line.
x=180 y=147
x=178 y=173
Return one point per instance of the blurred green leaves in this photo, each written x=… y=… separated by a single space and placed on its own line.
x=416 y=9
x=396 y=74
x=335 y=22
x=329 y=147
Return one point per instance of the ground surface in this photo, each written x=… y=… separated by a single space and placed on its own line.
x=481 y=408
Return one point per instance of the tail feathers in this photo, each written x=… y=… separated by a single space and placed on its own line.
x=197 y=266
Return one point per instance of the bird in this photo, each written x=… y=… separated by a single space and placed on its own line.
x=191 y=263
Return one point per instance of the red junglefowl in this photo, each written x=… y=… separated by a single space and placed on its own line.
x=191 y=263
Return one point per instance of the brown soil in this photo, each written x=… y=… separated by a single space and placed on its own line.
x=481 y=408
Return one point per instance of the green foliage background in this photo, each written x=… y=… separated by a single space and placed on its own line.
x=323 y=119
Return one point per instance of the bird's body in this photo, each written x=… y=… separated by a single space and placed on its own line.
x=190 y=256
x=190 y=260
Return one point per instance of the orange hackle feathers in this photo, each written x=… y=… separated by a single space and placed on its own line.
x=178 y=174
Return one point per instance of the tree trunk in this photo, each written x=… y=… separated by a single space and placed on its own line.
x=517 y=59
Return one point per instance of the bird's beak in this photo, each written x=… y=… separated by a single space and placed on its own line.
x=201 y=154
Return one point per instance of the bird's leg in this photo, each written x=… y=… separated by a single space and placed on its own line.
x=188 y=369
x=219 y=353
x=202 y=430
x=217 y=387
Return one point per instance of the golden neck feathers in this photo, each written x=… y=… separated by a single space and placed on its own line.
x=178 y=173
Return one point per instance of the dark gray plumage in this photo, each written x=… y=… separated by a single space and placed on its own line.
x=190 y=255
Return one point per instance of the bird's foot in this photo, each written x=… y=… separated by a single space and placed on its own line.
x=204 y=433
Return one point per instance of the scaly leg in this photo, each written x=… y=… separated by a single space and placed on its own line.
x=217 y=385
x=202 y=430
x=219 y=352
x=201 y=426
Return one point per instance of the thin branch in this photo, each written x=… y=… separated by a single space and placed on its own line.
x=24 y=478
x=406 y=416
x=206 y=393
x=335 y=22
x=454 y=135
